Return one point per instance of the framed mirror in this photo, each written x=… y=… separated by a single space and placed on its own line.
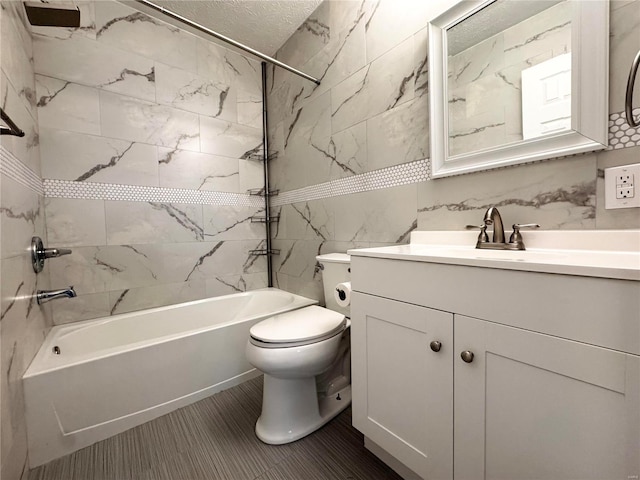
x=516 y=81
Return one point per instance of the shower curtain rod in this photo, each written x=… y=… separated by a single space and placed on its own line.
x=228 y=40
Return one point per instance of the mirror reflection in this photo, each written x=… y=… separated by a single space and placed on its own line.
x=509 y=80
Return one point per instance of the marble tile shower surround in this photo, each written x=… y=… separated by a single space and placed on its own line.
x=484 y=81
x=338 y=151
x=23 y=324
x=150 y=139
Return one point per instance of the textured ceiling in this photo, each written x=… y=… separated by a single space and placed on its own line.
x=492 y=19
x=261 y=24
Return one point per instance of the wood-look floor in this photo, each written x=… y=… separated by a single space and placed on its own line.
x=214 y=439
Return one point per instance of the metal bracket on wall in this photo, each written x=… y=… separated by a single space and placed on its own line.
x=262 y=219
x=264 y=251
x=259 y=192
x=13 y=128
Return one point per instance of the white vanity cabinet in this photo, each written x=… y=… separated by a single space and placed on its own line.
x=539 y=398
x=535 y=406
x=404 y=387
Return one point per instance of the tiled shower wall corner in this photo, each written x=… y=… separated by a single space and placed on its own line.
x=150 y=139
x=23 y=324
x=348 y=155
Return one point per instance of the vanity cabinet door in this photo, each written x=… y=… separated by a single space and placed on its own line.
x=533 y=406
x=402 y=389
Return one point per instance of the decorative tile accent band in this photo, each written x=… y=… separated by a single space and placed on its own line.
x=621 y=134
x=139 y=193
x=18 y=171
x=406 y=173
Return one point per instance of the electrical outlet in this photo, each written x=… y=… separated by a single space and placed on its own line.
x=619 y=187
x=623 y=191
x=625 y=179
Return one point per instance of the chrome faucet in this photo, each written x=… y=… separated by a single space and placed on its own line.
x=492 y=217
x=43 y=296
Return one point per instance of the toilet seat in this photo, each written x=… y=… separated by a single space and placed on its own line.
x=296 y=328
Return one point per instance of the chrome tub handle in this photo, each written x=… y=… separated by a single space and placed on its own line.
x=628 y=106
x=39 y=254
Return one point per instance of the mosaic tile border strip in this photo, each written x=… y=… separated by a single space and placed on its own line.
x=404 y=174
x=621 y=134
x=139 y=193
x=19 y=172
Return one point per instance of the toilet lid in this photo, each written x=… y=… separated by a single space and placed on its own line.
x=301 y=326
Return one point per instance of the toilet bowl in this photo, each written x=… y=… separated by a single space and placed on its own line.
x=305 y=357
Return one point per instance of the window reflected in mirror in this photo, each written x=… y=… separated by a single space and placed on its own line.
x=509 y=74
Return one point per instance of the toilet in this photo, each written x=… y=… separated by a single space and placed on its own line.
x=306 y=360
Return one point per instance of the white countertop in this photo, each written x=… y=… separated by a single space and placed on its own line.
x=592 y=253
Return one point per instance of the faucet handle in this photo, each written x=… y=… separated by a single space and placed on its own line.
x=39 y=254
x=516 y=236
x=482 y=237
x=55 y=252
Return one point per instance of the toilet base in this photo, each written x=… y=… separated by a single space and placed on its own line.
x=292 y=409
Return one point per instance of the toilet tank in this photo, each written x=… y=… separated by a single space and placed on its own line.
x=336 y=269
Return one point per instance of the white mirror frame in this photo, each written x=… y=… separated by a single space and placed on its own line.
x=589 y=95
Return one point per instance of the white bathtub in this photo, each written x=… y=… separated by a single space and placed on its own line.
x=118 y=372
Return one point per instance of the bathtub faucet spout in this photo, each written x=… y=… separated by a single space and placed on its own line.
x=43 y=296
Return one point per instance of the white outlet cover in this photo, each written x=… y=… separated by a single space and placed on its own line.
x=610 y=186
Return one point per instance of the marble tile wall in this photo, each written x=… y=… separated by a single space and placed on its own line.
x=172 y=124
x=370 y=57
x=23 y=324
x=369 y=117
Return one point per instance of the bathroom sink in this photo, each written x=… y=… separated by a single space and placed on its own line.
x=606 y=253
x=500 y=255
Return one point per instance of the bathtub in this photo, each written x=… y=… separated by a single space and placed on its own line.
x=114 y=373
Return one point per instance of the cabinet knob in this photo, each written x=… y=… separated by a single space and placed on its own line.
x=467 y=356
x=435 y=346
